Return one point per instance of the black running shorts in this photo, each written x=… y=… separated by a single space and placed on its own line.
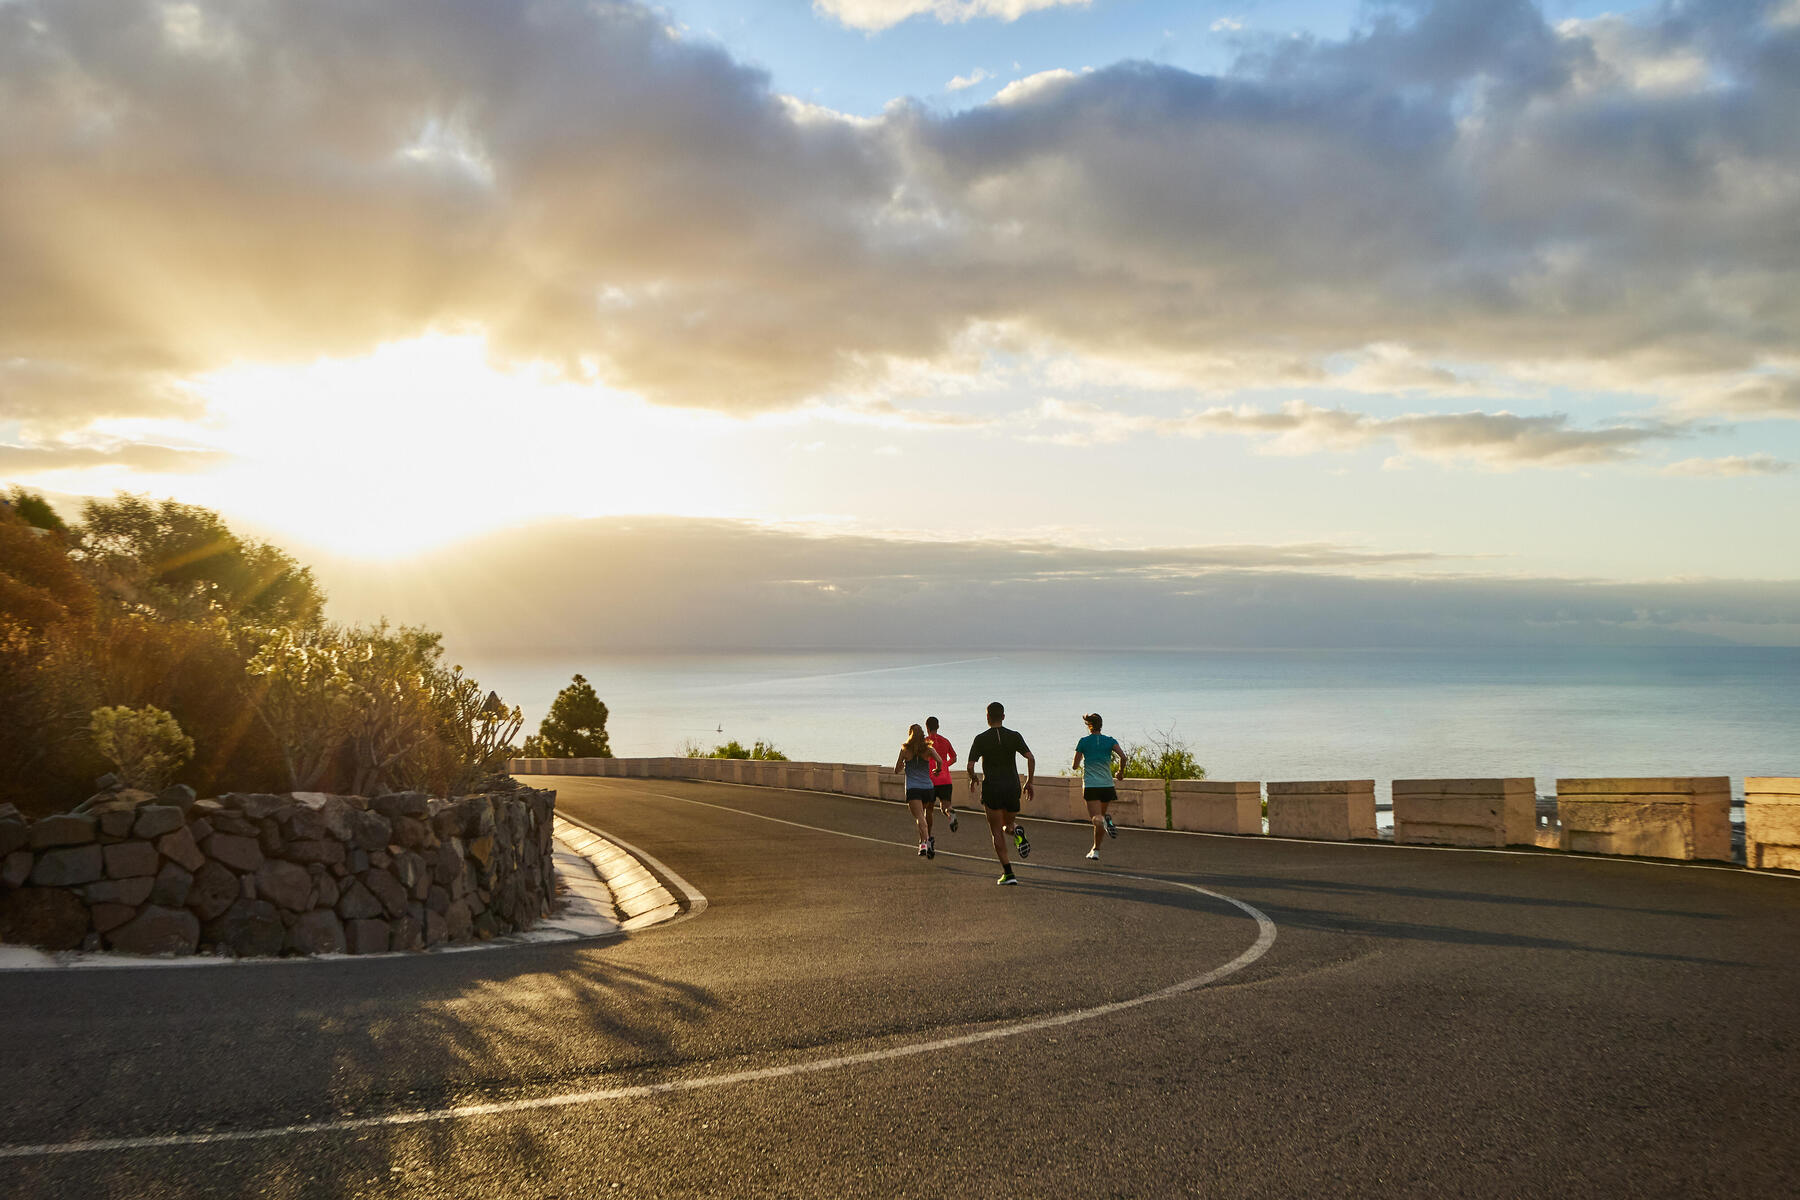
x=997 y=797
x=1100 y=795
x=944 y=791
x=922 y=795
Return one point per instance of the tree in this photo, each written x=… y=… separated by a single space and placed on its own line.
x=181 y=561
x=574 y=728
x=36 y=511
x=143 y=744
x=1162 y=755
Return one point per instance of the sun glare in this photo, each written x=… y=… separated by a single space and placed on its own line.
x=427 y=441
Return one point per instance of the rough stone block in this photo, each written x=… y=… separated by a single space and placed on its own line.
x=63 y=829
x=179 y=847
x=1339 y=810
x=1772 y=823
x=1465 y=812
x=358 y=903
x=108 y=916
x=177 y=795
x=286 y=884
x=116 y=823
x=370 y=830
x=388 y=890
x=15 y=869
x=248 y=929
x=1680 y=818
x=366 y=936
x=68 y=865
x=129 y=892
x=406 y=933
x=14 y=835
x=1216 y=806
x=316 y=932
x=171 y=886
x=256 y=806
x=154 y=820
x=157 y=930
x=327 y=851
x=51 y=918
x=127 y=859
x=215 y=887
x=235 y=852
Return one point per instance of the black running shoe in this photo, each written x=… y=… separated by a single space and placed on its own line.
x=1008 y=879
x=952 y=820
x=1023 y=842
x=1111 y=829
x=931 y=847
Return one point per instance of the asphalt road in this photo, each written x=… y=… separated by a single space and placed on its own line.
x=1424 y=1023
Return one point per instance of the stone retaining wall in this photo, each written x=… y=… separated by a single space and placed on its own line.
x=258 y=874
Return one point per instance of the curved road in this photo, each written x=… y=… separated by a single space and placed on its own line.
x=1421 y=1023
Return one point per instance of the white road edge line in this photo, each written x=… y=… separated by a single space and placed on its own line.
x=1265 y=938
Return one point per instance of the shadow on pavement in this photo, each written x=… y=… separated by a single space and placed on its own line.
x=322 y=1043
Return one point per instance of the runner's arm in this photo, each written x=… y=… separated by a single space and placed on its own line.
x=1030 y=769
x=1076 y=765
x=1120 y=751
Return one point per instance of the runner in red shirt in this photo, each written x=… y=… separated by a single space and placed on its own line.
x=941 y=785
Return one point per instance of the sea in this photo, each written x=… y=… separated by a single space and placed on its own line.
x=1547 y=712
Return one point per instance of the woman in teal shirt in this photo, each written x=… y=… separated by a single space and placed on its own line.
x=1094 y=759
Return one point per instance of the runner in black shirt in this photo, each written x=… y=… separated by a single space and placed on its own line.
x=998 y=785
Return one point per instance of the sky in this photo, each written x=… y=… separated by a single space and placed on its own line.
x=1464 y=297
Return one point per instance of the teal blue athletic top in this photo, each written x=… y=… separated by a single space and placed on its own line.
x=1096 y=751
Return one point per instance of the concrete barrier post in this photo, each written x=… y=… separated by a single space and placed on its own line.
x=1465 y=812
x=1682 y=818
x=893 y=786
x=637 y=768
x=1142 y=804
x=1772 y=822
x=1333 y=810
x=1216 y=806
x=1054 y=798
x=961 y=794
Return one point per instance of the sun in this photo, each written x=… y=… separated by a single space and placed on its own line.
x=426 y=441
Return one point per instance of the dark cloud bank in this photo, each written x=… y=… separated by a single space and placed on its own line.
x=668 y=584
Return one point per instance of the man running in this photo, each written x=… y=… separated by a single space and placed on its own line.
x=941 y=783
x=1094 y=759
x=998 y=784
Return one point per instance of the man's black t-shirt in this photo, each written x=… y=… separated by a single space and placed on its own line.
x=994 y=748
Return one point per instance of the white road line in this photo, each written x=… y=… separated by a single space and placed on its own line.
x=1265 y=938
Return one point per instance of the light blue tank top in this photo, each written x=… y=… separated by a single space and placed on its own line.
x=918 y=773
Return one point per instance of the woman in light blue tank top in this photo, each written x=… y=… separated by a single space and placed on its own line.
x=918 y=758
x=1094 y=756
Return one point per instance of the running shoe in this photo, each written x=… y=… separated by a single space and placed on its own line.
x=931 y=847
x=1111 y=829
x=1094 y=854
x=1023 y=842
x=952 y=820
x=921 y=849
x=1008 y=880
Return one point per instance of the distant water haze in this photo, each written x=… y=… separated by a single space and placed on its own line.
x=1249 y=714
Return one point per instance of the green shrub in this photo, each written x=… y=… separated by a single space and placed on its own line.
x=144 y=745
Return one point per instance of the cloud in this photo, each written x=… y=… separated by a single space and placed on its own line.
x=724 y=585
x=1227 y=25
x=872 y=16
x=26 y=461
x=1731 y=466
x=974 y=77
x=1599 y=202
x=1498 y=439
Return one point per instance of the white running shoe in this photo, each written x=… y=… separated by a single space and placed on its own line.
x=1094 y=854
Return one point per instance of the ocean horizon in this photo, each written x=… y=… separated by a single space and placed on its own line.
x=1544 y=712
